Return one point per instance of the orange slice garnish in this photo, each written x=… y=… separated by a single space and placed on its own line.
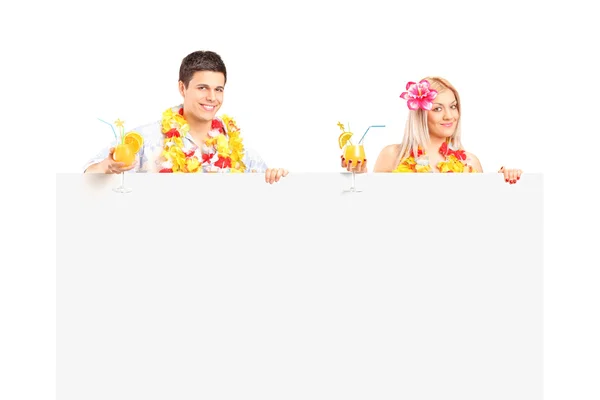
x=134 y=140
x=344 y=138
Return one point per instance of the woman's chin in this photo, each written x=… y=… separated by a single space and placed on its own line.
x=442 y=135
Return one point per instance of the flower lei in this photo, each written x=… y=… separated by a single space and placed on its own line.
x=454 y=161
x=223 y=141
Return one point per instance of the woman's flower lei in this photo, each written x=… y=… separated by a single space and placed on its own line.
x=223 y=141
x=454 y=161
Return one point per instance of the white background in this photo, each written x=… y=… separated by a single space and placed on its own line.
x=525 y=71
x=295 y=73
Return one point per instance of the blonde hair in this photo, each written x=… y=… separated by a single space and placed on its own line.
x=416 y=132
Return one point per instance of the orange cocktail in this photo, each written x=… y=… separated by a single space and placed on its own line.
x=125 y=152
x=354 y=154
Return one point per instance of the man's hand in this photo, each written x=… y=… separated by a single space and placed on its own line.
x=113 y=167
x=275 y=174
x=109 y=165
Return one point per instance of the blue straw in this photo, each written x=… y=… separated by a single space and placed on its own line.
x=364 y=134
x=111 y=127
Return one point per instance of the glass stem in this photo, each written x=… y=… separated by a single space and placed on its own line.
x=122 y=179
x=353 y=180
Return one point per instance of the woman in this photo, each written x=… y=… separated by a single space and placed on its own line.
x=432 y=136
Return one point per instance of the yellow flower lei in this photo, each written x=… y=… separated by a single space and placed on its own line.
x=224 y=138
x=450 y=164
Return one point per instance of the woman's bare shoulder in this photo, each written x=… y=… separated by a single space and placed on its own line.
x=473 y=161
x=392 y=149
x=388 y=157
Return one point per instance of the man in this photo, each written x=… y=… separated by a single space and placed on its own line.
x=190 y=137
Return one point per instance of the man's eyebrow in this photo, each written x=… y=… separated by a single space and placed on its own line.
x=207 y=85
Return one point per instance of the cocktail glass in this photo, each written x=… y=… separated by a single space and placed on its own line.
x=354 y=153
x=124 y=153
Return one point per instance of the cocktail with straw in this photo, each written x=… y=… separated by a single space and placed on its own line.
x=353 y=153
x=127 y=146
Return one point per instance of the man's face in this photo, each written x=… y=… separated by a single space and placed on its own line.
x=203 y=96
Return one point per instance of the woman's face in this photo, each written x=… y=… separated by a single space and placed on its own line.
x=443 y=116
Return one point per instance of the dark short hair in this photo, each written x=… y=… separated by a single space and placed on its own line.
x=200 y=61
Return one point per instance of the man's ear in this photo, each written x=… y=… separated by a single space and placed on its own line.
x=181 y=89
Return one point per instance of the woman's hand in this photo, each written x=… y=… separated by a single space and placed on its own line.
x=511 y=175
x=358 y=168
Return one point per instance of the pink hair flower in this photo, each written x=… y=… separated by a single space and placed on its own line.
x=419 y=95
